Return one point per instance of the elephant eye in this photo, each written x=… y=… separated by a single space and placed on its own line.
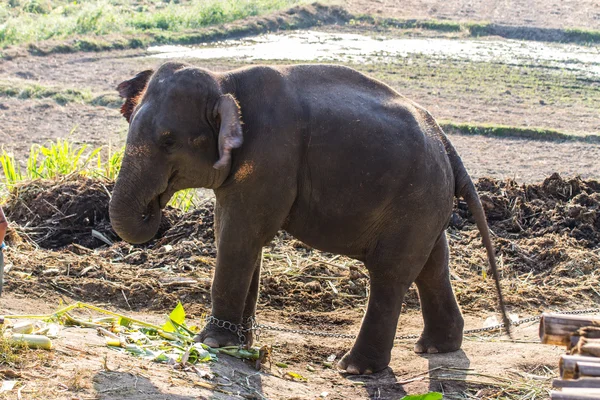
x=167 y=140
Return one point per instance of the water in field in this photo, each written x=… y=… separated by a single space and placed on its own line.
x=348 y=47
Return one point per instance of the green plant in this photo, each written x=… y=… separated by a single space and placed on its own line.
x=62 y=157
x=39 y=20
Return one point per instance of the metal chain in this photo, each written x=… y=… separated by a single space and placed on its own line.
x=404 y=337
x=250 y=324
x=240 y=329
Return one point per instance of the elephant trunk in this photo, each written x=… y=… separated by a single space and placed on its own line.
x=134 y=208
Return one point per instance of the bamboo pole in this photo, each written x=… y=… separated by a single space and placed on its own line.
x=558 y=328
x=573 y=367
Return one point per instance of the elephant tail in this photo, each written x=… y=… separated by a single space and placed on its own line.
x=464 y=187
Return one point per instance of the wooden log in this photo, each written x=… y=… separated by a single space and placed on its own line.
x=573 y=367
x=580 y=390
x=554 y=395
x=587 y=347
x=570 y=367
x=590 y=383
x=590 y=332
x=558 y=328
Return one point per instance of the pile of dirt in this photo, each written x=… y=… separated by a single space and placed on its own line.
x=545 y=239
x=565 y=207
x=53 y=214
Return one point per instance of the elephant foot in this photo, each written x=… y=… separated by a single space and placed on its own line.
x=214 y=336
x=432 y=344
x=355 y=364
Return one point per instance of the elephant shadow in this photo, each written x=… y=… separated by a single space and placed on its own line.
x=115 y=385
x=384 y=384
x=236 y=376
x=456 y=364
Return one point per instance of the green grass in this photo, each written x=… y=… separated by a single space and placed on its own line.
x=23 y=21
x=514 y=132
x=63 y=158
x=479 y=29
x=25 y=90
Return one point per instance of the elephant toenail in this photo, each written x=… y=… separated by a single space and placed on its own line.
x=210 y=342
x=352 y=370
x=432 y=350
x=419 y=348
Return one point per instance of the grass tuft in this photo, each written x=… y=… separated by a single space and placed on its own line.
x=25 y=90
x=63 y=158
x=480 y=29
x=514 y=132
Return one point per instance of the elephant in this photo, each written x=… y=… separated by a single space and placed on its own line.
x=339 y=160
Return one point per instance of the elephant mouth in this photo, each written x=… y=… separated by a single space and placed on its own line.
x=164 y=197
x=151 y=209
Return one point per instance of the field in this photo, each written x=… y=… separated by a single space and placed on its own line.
x=516 y=88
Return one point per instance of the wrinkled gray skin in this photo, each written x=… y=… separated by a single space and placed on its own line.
x=339 y=160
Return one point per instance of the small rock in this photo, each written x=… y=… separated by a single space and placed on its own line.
x=51 y=272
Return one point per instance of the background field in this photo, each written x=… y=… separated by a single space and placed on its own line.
x=514 y=122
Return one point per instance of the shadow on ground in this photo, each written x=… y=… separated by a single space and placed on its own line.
x=458 y=361
x=124 y=385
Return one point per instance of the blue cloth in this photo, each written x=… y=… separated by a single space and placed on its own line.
x=2 y=246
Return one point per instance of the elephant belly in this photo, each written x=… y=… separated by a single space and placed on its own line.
x=350 y=219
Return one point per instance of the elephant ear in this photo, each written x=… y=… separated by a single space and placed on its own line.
x=230 y=131
x=132 y=90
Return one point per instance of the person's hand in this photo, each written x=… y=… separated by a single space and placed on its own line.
x=3 y=227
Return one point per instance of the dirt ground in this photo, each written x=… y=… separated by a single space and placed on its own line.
x=81 y=367
x=547 y=236
x=559 y=14
x=547 y=233
x=27 y=121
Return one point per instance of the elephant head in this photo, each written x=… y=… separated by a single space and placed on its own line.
x=182 y=130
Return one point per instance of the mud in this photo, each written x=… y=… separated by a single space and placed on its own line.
x=314 y=45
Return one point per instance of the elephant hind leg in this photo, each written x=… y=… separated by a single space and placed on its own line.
x=392 y=270
x=444 y=323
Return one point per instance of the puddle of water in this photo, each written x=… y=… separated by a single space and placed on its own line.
x=327 y=47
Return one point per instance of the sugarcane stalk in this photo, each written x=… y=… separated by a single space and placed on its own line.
x=558 y=328
x=79 y=304
x=32 y=341
x=573 y=367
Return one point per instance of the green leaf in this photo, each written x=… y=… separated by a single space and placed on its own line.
x=124 y=321
x=426 y=396
x=296 y=376
x=199 y=354
x=177 y=316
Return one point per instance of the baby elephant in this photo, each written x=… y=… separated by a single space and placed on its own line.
x=337 y=159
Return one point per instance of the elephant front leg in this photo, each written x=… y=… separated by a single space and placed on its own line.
x=233 y=286
x=251 y=300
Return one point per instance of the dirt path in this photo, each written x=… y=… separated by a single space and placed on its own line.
x=82 y=367
x=447 y=93
x=539 y=13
